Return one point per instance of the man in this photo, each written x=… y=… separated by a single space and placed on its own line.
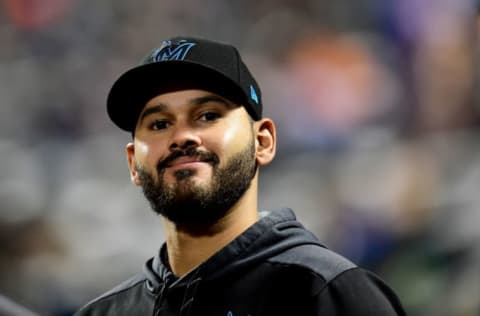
x=199 y=138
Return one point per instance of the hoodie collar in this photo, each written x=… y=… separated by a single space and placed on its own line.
x=271 y=234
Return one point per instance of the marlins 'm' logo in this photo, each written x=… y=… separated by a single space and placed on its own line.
x=171 y=50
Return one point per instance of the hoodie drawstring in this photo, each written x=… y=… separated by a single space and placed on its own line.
x=159 y=300
x=189 y=295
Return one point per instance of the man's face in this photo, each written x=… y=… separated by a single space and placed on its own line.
x=194 y=152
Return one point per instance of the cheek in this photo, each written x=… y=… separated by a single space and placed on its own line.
x=146 y=155
x=234 y=138
x=230 y=136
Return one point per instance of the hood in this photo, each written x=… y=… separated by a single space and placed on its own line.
x=274 y=233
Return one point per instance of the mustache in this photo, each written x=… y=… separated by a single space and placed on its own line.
x=203 y=156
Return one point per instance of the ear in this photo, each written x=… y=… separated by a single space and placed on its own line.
x=265 y=140
x=130 y=151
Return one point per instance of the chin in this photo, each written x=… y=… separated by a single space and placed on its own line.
x=188 y=174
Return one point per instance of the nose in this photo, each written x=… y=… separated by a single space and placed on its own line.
x=184 y=137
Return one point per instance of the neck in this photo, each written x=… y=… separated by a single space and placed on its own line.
x=188 y=248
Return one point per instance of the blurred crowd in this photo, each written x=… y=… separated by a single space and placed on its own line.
x=377 y=110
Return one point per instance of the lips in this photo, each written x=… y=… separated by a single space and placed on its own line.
x=184 y=161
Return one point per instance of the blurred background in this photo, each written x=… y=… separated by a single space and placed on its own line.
x=377 y=110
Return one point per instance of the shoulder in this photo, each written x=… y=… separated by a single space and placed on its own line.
x=336 y=285
x=111 y=295
x=319 y=260
x=360 y=292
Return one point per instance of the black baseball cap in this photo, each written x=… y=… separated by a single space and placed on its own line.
x=183 y=63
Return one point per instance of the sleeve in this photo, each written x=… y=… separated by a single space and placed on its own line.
x=356 y=292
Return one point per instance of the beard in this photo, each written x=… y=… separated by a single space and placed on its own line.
x=187 y=203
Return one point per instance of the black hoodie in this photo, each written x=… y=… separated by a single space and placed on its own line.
x=276 y=267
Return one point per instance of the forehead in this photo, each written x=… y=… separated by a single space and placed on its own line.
x=187 y=102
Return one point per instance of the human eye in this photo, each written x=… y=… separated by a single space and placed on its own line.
x=159 y=125
x=209 y=116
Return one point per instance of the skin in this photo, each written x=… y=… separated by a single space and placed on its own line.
x=209 y=122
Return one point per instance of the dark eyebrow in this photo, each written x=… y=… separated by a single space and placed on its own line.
x=153 y=109
x=194 y=101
